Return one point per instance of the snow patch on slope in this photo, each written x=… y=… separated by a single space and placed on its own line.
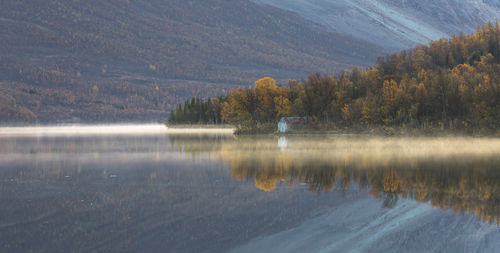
x=394 y=24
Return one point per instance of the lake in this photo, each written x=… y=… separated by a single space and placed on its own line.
x=145 y=188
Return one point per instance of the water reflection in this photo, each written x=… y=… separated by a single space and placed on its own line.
x=161 y=193
x=282 y=143
x=461 y=174
x=214 y=192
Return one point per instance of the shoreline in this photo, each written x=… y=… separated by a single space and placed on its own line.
x=162 y=128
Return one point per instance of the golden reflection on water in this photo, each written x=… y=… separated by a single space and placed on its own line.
x=462 y=174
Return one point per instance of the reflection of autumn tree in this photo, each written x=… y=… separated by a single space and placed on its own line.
x=449 y=181
x=266 y=171
x=461 y=188
x=461 y=184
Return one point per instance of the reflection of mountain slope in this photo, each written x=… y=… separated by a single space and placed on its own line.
x=395 y=24
x=358 y=227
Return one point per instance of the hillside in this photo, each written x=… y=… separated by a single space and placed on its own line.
x=395 y=24
x=116 y=60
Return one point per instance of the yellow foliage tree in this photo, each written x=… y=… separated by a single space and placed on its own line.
x=283 y=106
x=237 y=107
x=266 y=90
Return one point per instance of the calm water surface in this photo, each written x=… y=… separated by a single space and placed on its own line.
x=148 y=189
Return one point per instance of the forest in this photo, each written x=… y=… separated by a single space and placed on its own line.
x=449 y=84
x=198 y=111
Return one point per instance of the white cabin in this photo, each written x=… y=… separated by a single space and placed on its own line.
x=283 y=125
x=286 y=123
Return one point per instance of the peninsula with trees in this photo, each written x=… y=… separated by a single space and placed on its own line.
x=450 y=85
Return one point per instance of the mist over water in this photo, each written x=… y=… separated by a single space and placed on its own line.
x=149 y=188
x=77 y=130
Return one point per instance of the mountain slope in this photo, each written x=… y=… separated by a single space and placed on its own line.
x=100 y=53
x=181 y=39
x=395 y=24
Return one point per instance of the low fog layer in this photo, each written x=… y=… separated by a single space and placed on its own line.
x=76 y=130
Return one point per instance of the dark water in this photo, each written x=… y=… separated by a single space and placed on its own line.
x=216 y=193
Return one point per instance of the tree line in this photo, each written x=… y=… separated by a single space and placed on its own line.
x=448 y=84
x=198 y=111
